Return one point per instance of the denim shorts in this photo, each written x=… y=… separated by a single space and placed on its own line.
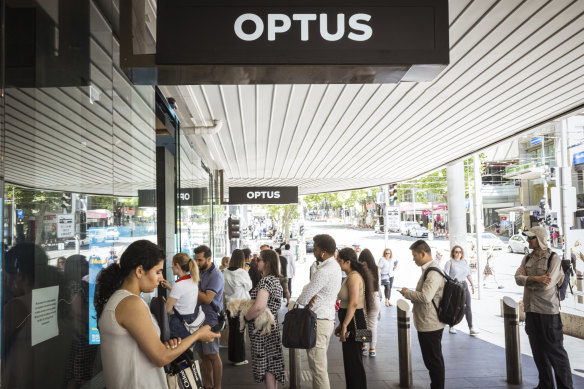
x=177 y=327
x=207 y=348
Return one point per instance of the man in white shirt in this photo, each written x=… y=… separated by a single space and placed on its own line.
x=291 y=267
x=321 y=295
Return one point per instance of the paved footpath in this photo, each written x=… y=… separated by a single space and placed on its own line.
x=471 y=362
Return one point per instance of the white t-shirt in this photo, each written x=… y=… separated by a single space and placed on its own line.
x=186 y=293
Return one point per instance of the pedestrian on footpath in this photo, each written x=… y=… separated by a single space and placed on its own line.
x=321 y=295
x=368 y=260
x=357 y=299
x=387 y=265
x=253 y=271
x=291 y=269
x=459 y=269
x=489 y=269
x=427 y=294
x=541 y=302
x=211 y=284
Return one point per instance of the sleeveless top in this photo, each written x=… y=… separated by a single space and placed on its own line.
x=344 y=292
x=125 y=365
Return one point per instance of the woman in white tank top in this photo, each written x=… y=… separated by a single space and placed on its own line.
x=131 y=351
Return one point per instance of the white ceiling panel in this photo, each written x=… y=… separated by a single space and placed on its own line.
x=514 y=65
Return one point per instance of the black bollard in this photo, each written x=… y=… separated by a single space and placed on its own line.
x=404 y=345
x=294 y=361
x=512 y=341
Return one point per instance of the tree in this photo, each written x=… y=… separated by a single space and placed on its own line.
x=284 y=215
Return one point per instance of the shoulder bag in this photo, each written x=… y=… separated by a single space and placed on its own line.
x=299 y=329
x=363 y=335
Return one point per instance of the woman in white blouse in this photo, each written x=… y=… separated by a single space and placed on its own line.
x=237 y=286
x=387 y=266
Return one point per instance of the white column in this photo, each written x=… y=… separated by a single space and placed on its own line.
x=456 y=204
x=565 y=171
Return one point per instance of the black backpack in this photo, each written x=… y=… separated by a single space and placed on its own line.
x=453 y=304
x=299 y=330
x=567 y=269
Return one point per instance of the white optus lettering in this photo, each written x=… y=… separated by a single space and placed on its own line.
x=259 y=27
x=324 y=27
x=358 y=27
x=366 y=30
x=274 y=28
x=263 y=195
x=304 y=19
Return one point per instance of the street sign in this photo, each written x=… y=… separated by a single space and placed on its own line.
x=19 y=213
x=503 y=218
x=65 y=226
x=392 y=218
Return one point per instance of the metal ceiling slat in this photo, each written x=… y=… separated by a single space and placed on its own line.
x=283 y=133
x=244 y=128
x=232 y=135
x=281 y=101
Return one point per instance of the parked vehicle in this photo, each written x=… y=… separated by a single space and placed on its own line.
x=487 y=240
x=96 y=235
x=112 y=233
x=309 y=245
x=404 y=227
x=418 y=231
x=518 y=244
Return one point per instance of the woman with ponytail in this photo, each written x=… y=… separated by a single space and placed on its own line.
x=357 y=299
x=183 y=295
x=131 y=351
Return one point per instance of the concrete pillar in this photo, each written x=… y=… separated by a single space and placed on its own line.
x=456 y=204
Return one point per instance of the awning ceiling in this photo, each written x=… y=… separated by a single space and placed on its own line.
x=514 y=65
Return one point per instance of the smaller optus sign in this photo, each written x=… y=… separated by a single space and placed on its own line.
x=263 y=195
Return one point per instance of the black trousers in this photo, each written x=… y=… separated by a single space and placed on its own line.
x=387 y=287
x=236 y=341
x=468 y=312
x=546 y=339
x=355 y=377
x=290 y=286
x=431 y=345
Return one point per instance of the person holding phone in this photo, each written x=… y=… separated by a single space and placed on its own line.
x=131 y=351
x=267 y=358
x=211 y=284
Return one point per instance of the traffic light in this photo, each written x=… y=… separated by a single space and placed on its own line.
x=233 y=228
x=82 y=224
x=66 y=201
x=392 y=193
x=301 y=230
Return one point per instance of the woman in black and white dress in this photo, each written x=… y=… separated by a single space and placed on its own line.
x=267 y=358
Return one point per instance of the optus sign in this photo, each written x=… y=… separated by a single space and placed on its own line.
x=302 y=32
x=263 y=195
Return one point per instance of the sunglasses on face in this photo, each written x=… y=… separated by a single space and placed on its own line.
x=531 y=237
x=457 y=252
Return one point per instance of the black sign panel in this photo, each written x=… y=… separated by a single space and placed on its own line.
x=185 y=197
x=302 y=32
x=263 y=195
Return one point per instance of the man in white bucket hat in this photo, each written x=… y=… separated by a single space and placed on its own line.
x=540 y=273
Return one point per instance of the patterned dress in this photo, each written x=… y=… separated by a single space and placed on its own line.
x=266 y=350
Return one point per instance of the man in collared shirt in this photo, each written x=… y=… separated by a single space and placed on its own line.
x=425 y=299
x=542 y=310
x=321 y=295
x=210 y=299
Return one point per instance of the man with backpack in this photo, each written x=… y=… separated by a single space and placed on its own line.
x=425 y=299
x=541 y=274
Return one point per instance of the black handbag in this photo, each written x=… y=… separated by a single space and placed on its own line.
x=299 y=330
x=363 y=335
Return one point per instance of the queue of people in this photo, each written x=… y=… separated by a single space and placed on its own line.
x=129 y=331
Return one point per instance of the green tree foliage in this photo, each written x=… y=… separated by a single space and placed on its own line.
x=283 y=215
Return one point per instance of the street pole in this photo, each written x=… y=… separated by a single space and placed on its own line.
x=544 y=176
x=478 y=208
x=385 y=219
x=414 y=200
x=564 y=171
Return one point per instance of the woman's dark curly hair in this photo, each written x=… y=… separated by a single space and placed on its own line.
x=140 y=253
x=367 y=258
x=348 y=254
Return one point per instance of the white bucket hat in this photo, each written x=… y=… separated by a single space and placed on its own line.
x=540 y=233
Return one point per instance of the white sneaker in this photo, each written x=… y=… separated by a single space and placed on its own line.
x=452 y=330
x=241 y=363
x=473 y=332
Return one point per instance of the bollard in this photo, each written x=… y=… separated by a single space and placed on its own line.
x=579 y=286
x=294 y=361
x=404 y=346
x=512 y=344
